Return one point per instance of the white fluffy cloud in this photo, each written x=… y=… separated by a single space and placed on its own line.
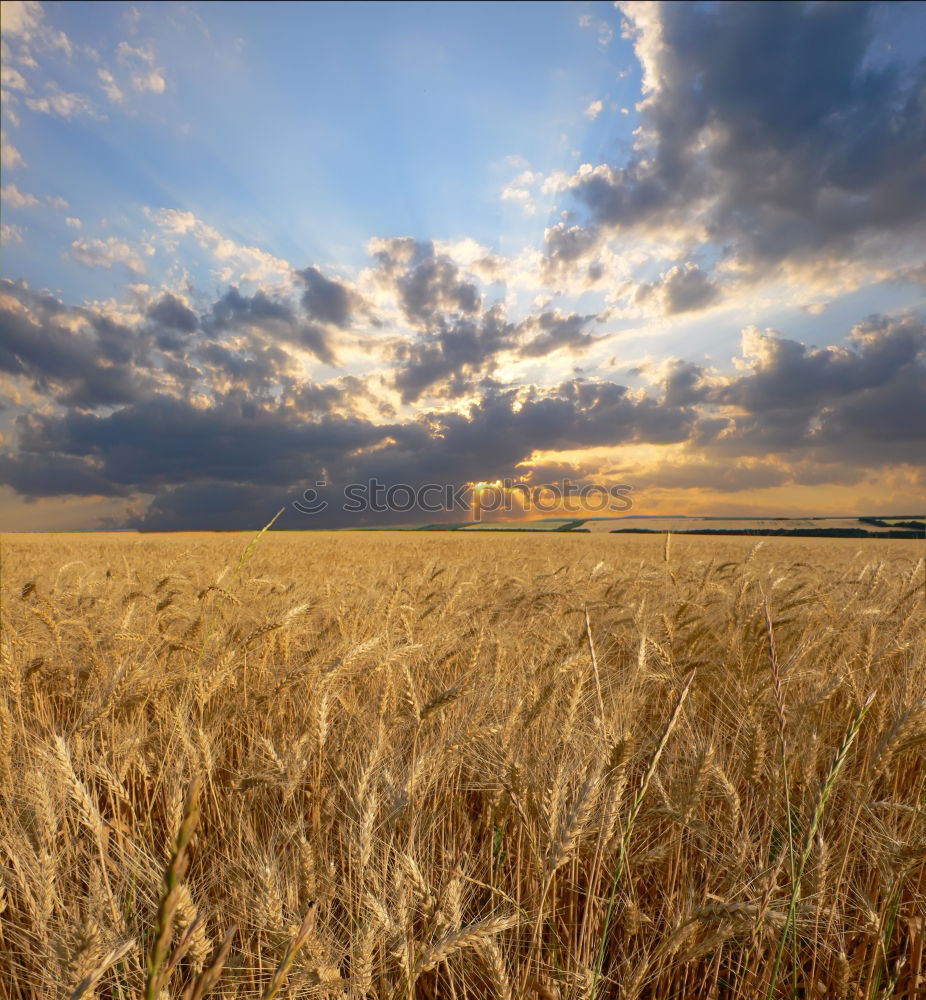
x=150 y=82
x=236 y=262
x=10 y=157
x=10 y=233
x=147 y=77
x=519 y=191
x=109 y=252
x=23 y=21
x=15 y=198
x=62 y=104
x=12 y=79
x=112 y=89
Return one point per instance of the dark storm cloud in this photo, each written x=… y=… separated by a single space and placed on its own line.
x=878 y=422
x=259 y=368
x=338 y=396
x=490 y=440
x=451 y=355
x=49 y=474
x=555 y=330
x=217 y=506
x=79 y=356
x=170 y=312
x=460 y=337
x=864 y=405
x=594 y=413
x=167 y=440
x=213 y=416
x=234 y=309
x=316 y=340
x=326 y=300
x=179 y=451
x=787 y=374
x=456 y=353
x=427 y=284
x=227 y=460
x=684 y=384
x=502 y=429
x=771 y=128
x=274 y=317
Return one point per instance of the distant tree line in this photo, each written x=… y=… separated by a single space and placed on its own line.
x=879 y=523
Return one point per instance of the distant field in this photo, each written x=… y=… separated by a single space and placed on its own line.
x=461 y=765
x=545 y=525
x=911 y=527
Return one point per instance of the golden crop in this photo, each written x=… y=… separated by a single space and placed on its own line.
x=447 y=765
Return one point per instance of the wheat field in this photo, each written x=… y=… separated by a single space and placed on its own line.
x=411 y=765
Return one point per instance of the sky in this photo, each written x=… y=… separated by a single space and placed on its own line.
x=248 y=249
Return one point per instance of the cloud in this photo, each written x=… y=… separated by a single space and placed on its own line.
x=209 y=410
x=109 y=252
x=236 y=262
x=519 y=191
x=594 y=110
x=451 y=355
x=231 y=439
x=862 y=405
x=12 y=79
x=64 y=105
x=147 y=76
x=34 y=476
x=327 y=300
x=16 y=198
x=428 y=284
x=568 y=247
x=173 y=313
x=474 y=258
x=94 y=356
x=602 y=29
x=150 y=82
x=10 y=157
x=110 y=87
x=683 y=288
x=769 y=131
x=786 y=374
x=10 y=233
x=230 y=457
x=21 y=18
x=181 y=403
x=722 y=477
x=24 y=22
x=79 y=357
x=457 y=337
x=684 y=384
x=554 y=331
x=272 y=317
